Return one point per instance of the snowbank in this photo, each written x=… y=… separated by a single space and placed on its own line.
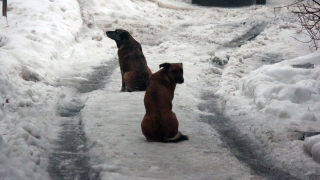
x=15 y=167
x=312 y=147
x=32 y=51
x=288 y=90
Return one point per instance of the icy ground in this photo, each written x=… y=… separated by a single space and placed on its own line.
x=249 y=85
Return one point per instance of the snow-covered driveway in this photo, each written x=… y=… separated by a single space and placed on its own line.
x=79 y=91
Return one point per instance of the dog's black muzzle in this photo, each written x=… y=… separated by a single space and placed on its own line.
x=111 y=34
x=179 y=80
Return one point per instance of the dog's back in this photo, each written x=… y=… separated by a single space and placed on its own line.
x=135 y=66
x=160 y=123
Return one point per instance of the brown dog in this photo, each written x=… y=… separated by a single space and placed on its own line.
x=133 y=65
x=160 y=123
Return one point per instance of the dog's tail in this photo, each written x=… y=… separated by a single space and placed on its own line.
x=177 y=138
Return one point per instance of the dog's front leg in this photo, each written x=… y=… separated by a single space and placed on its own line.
x=123 y=88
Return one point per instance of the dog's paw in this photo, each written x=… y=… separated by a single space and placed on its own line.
x=129 y=89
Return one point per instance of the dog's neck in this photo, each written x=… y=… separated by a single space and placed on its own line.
x=166 y=81
x=131 y=42
x=120 y=43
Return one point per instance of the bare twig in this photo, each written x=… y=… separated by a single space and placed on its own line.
x=286 y=6
x=308 y=12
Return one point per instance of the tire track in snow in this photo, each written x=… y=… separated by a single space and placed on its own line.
x=250 y=35
x=69 y=159
x=242 y=146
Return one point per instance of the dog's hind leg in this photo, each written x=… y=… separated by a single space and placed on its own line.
x=123 y=87
x=128 y=80
x=147 y=129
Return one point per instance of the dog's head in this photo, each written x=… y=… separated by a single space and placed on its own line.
x=174 y=71
x=119 y=35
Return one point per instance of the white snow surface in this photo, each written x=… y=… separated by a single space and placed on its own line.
x=50 y=46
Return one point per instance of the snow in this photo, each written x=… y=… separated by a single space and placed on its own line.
x=276 y=89
x=288 y=93
x=270 y=86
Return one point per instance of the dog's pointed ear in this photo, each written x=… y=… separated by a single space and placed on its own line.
x=124 y=35
x=165 y=65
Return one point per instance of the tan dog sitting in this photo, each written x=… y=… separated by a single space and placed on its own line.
x=133 y=65
x=160 y=123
